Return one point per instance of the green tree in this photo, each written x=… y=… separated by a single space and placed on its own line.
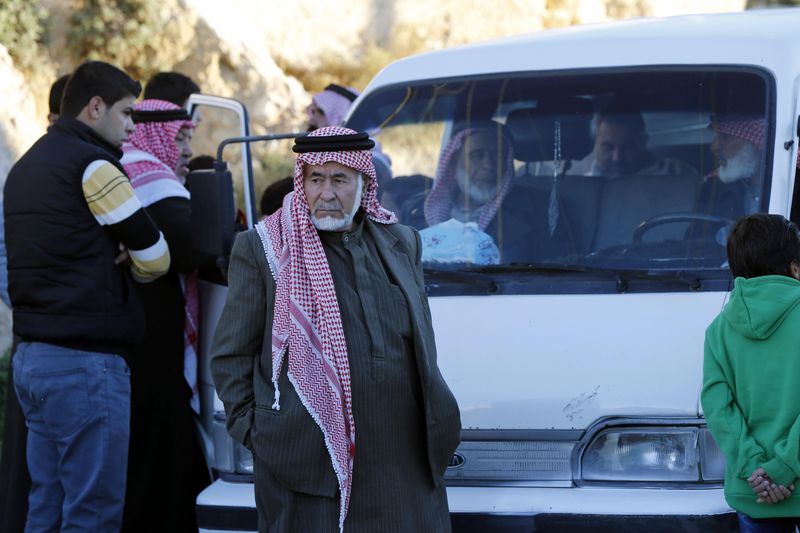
x=22 y=31
x=129 y=33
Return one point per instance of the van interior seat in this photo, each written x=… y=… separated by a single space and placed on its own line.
x=603 y=212
x=578 y=200
x=533 y=134
x=626 y=202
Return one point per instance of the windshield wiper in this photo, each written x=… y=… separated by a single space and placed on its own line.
x=622 y=277
x=493 y=279
x=535 y=268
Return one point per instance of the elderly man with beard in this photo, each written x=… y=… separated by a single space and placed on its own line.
x=734 y=187
x=166 y=465
x=342 y=403
x=474 y=183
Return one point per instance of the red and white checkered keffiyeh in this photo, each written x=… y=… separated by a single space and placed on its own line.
x=751 y=130
x=307 y=325
x=439 y=203
x=151 y=154
x=149 y=158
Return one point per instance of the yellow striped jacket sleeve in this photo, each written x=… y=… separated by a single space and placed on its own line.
x=114 y=204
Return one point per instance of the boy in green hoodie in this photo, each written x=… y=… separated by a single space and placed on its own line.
x=751 y=374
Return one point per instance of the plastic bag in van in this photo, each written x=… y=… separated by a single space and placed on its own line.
x=452 y=241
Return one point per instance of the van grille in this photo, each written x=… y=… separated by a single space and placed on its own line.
x=517 y=462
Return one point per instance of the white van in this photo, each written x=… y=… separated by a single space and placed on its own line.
x=578 y=369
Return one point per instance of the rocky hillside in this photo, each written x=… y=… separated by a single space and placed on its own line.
x=271 y=54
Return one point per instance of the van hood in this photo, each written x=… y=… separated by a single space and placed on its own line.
x=565 y=361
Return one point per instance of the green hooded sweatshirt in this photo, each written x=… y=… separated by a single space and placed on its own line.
x=751 y=389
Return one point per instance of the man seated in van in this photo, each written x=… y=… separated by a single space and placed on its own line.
x=733 y=188
x=474 y=207
x=620 y=147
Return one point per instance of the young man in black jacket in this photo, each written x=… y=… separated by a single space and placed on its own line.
x=77 y=237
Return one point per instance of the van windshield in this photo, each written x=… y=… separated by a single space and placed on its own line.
x=630 y=170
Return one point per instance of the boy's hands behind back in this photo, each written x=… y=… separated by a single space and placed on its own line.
x=766 y=490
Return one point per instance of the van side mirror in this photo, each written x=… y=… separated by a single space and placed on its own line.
x=213 y=214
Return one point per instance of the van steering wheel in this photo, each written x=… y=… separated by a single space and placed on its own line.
x=675 y=218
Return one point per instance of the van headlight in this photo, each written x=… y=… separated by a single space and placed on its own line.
x=653 y=454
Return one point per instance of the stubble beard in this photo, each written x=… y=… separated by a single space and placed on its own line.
x=329 y=223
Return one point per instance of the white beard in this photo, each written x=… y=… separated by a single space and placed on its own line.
x=741 y=166
x=339 y=224
x=479 y=192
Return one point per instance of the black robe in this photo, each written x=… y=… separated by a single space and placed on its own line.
x=166 y=467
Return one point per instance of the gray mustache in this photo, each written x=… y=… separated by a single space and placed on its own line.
x=329 y=206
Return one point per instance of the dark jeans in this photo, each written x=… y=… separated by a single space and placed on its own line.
x=77 y=407
x=767 y=525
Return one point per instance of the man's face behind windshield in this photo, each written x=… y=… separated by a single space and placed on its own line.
x=479 y=167
x=619 y=149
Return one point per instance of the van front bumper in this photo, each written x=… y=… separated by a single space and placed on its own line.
x=474 y=523
x=228 y=507
x=589 y=509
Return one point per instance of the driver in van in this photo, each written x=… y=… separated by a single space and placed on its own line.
x=474 y=184
x=620 y=147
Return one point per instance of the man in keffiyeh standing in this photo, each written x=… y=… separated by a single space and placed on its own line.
x=325 y=356
x=166 y=465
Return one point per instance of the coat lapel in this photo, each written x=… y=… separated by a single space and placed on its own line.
x=397 y=259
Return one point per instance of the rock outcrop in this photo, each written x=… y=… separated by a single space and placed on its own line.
x=20 y=126
x=262 y=51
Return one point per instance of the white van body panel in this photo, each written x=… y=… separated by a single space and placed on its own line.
x=765 y=38
x=211 y=306
x=584 y=358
